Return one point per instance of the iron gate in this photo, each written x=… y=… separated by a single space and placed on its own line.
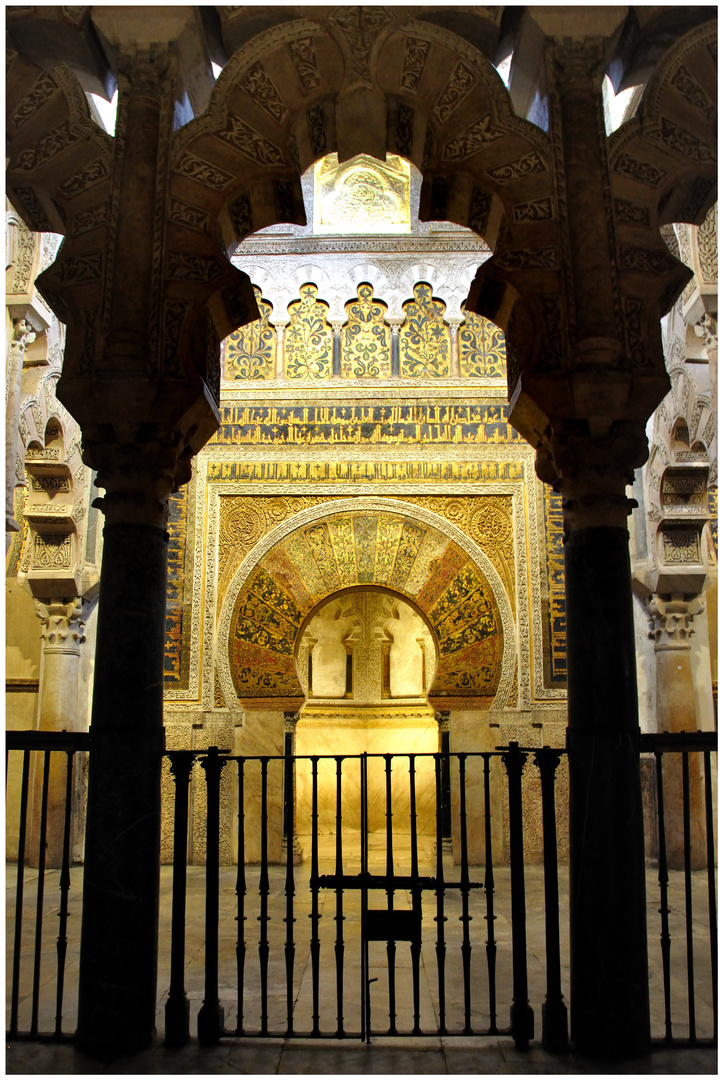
x=398 y=884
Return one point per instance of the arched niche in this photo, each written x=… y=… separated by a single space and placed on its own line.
x=364 y=646
x=348 y=543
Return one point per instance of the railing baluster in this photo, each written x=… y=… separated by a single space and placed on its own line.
x=62 y=943
x=366 y=1006
x=289 y=948
x=241 y=901
x=339 y=917
x=315 y=945
x=489 y=886
x=664 y=910
x=688 y=897
x=210 y=1017
x=15 y=992
x=465 y=917
x=521 y=1014
x=440 y=918
x=178 y=1007
x=40 y=895
x=713 y=930
x=263 y=917
x=554 y=1011
x=391 y=943
x=416 y=943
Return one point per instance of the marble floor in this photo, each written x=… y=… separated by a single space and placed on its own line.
x=420 y=1054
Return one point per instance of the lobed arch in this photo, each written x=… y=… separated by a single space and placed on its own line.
x=311 y=86
x=441 y=571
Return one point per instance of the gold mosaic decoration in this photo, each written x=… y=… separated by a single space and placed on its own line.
x=348 y=549
x=424 y=339
x=486 y=519
x=249 y=352
x=366 y=351
x=481 y=348
x=361 y=195
x=309 y=338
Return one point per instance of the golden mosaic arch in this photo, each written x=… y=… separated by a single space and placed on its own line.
x=343 y=550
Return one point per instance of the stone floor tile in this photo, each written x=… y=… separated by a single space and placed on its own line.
x=329 y=1060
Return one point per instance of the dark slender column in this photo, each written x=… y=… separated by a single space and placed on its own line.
x=608 y=954
x=117 y=994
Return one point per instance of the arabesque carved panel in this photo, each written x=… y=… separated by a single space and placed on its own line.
x=308 y=338
x=481 y=348
x=250 y=352
x=424 y=339
x=366 y=340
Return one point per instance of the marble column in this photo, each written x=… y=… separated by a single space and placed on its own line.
x=336 y=326
x=671 y=627
x=608 y=955
x=22 y=336
x=291 y=719
x=454 y=369
x=395 y=325
x=445 y=810
x=117 y=993
x=280 y=372
x=62 y=635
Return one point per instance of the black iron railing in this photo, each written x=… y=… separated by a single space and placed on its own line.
x=464 y=921
x=685 y=840
x=349 y=882
x=32 y=755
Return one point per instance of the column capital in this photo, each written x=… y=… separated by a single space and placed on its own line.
x=23 y=333
x=63 y=626
x=671 y=620
x=577 y=65
x=139 y=474
x=592 y=470
x=291 y=719
x=442 y=717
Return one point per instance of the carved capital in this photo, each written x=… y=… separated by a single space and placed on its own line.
x=671 y=620
x=442 y=718
x=707 y=329
x=138 y=476
x=23 y=334
x=63 y=626
x=291 y=719
x=591 y=473
x=577 y=65
x=146 y=70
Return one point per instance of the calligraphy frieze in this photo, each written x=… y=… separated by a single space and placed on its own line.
x=370 y=472
x=308 y=425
